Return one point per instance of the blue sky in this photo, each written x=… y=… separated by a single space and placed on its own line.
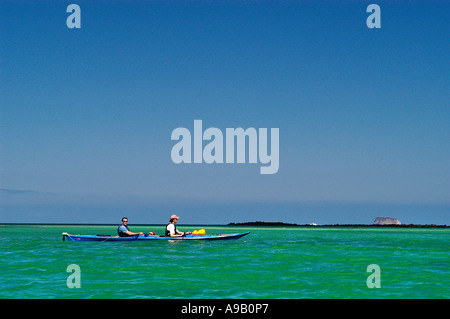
x=86 y=114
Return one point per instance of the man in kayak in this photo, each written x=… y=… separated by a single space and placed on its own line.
x=124 y=231
x=171 y=229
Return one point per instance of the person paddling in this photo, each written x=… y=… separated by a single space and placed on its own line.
x=124 y=231
x=171 y=229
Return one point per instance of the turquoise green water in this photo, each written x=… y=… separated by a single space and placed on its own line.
x=268 y=263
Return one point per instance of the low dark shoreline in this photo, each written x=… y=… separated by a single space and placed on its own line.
x=272 y=224
x=252 y=224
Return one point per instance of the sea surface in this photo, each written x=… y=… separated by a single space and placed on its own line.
x=270 y=262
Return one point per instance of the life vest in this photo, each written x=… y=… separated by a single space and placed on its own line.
x=122 y=234
x=168 y=231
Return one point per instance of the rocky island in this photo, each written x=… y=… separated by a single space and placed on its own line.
x=386 y=221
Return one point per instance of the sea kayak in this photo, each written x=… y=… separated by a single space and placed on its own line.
x=70 y=237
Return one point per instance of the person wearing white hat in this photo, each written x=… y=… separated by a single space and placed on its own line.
x=171 y=229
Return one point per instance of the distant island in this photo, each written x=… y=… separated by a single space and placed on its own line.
x=387 y=221
x=281 y=224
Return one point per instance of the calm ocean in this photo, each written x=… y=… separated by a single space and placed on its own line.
x=269 y=263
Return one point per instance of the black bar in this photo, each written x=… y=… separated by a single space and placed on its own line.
x=224 y=308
